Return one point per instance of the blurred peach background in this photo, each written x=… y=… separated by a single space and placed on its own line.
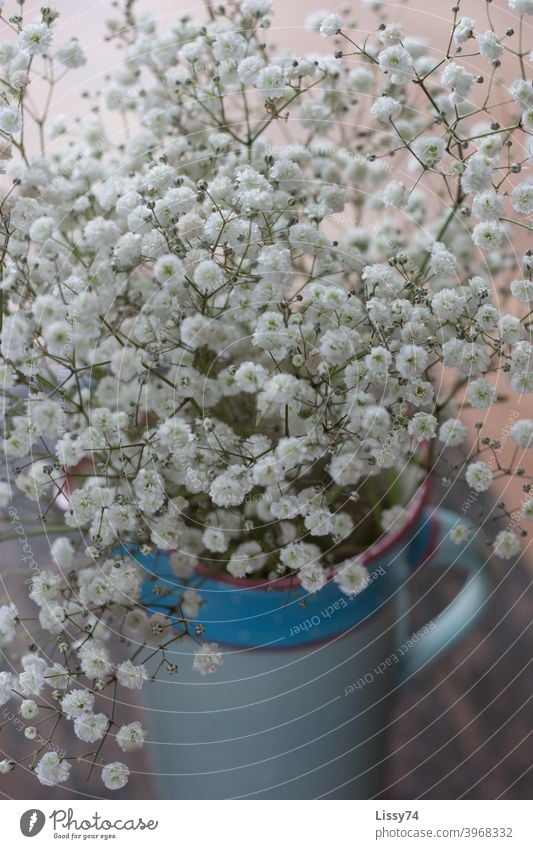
x=86 y=19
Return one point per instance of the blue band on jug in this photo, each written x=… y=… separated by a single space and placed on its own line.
x=246 y=616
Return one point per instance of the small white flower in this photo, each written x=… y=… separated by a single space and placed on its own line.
x=384 y=108
x=411 y=360
x=71 y=54
x=35 y=38
x=229 y=46
x=257 y=7
x=352 y=576
x=459 y=80
x=57 y=677
x=250 y=377
x=477 y=176
x=522 y=290
x=506 y=545
x=522 y=198
x=448 y=304
x=168 y=267
x=215 y=539
x=77 y=702
x=429 y=150
x=8 y=623
x=488 y=235
x=397 y=62
x=249 y=68
x=453 y=432
x=527 y=510
x=208 y=276
x=521 y=7
x=527 y=119
x=175 y=434
x=31 y=681
x=463 y=30
x=10 y=120
x=95 y=660
x=248 y=557
x=490 y=46
x=361 y=79
x=51 y=770
x=395 y=195
x=392 y=34
x=207 y=659
x=422 y=426
x=480 y=393
x=229 y=488
x=131 y=737
x=460 y=533
x=522 y=92
x=131 y=676
x=511 y=329
x=312 y=577
x=7 y=683
x=28 y=709
x=488 y=206
x=62 y=552
x=150 y=490
x=190 y=603
x=91 y=727
x=271 y=81
x=330 y=25
x=115 y=775
x=479 y=476
x=522 y=433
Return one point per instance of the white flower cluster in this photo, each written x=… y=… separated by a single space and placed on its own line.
x=194 y=361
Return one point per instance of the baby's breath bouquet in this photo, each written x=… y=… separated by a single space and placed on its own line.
x=248 y=326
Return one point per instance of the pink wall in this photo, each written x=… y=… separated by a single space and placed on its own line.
x=86 y=20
